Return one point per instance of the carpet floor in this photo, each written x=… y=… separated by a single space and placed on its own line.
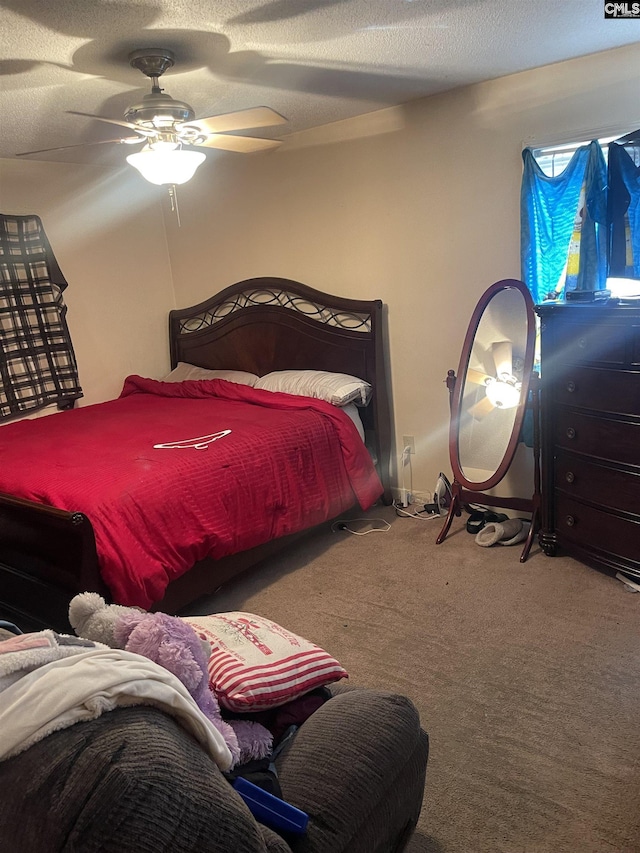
x=526 y=676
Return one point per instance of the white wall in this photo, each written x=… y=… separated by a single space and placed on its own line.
x=106 y=230
x=418 y=206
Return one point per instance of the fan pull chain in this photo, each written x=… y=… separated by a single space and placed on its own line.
x=173 y=195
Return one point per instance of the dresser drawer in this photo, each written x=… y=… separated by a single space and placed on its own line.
x=588 y=527
x=583 y=479
x=596 y=343
x=597 y=388
x=593 y=435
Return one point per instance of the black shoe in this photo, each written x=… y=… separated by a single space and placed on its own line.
x=479 y=518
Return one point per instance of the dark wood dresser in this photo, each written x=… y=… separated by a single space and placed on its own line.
x=590 y=433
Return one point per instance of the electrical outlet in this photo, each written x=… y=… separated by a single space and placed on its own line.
x=410 y=442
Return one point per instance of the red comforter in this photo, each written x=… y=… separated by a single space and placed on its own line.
x=250 y=466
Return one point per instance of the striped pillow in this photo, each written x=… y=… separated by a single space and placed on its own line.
x=256 y=664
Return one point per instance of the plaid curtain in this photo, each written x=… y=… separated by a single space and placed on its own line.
x=37 y=362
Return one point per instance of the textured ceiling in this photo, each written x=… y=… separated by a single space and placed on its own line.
x=314 y=61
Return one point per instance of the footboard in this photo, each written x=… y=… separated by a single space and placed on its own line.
x=47 y=555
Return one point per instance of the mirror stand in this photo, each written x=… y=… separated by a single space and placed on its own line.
x=494 y=385
x=461 y=497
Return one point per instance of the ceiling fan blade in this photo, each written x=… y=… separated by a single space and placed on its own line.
x=240 y=120
x=502 y=352
x=482 y=408
x=478 y=377
x=119 y=122
x=130 y=140
x=243 y=144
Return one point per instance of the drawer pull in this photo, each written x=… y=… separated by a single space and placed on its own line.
x=571 y=433
x=571 y=386
x=570 y=520
x=569 y=476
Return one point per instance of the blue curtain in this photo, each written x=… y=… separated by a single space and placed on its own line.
x=563 y=225
x=623 y=205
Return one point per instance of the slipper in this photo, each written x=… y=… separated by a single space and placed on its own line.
x=520 y=534
x=508 y=532
x=496 y=531
x=476 y=521
x=479 y=518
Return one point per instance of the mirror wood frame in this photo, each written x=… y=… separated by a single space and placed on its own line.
x=465 y=491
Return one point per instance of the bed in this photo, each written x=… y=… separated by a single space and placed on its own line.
x=50 y=549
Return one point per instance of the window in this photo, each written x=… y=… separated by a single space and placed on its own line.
x=37 y=362
x=580 y=227
x=554 y=159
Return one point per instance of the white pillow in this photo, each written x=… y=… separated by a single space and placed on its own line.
x=256 y=664
x=185 y=372
x=336 y=388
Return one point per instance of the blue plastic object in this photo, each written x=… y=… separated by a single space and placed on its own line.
x=270 y=810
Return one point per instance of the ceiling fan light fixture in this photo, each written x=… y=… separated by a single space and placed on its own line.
x=166 y=142
x=162 y=122
x=165 y=124
x=503 y=395
x=159 y=108
x=162 y=166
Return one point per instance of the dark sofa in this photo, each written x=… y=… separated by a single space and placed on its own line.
x=134 y=780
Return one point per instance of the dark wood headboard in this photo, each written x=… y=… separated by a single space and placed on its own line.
x=265 y=324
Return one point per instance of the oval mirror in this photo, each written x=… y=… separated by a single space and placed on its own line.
x=492 y=384
x=488 y=399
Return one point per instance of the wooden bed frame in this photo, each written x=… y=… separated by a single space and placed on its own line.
x=47 y=555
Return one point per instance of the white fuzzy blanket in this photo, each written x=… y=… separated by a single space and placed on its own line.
x=49 y=681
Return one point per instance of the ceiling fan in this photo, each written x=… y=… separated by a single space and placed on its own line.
x=166 y=125
x=502 y=390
